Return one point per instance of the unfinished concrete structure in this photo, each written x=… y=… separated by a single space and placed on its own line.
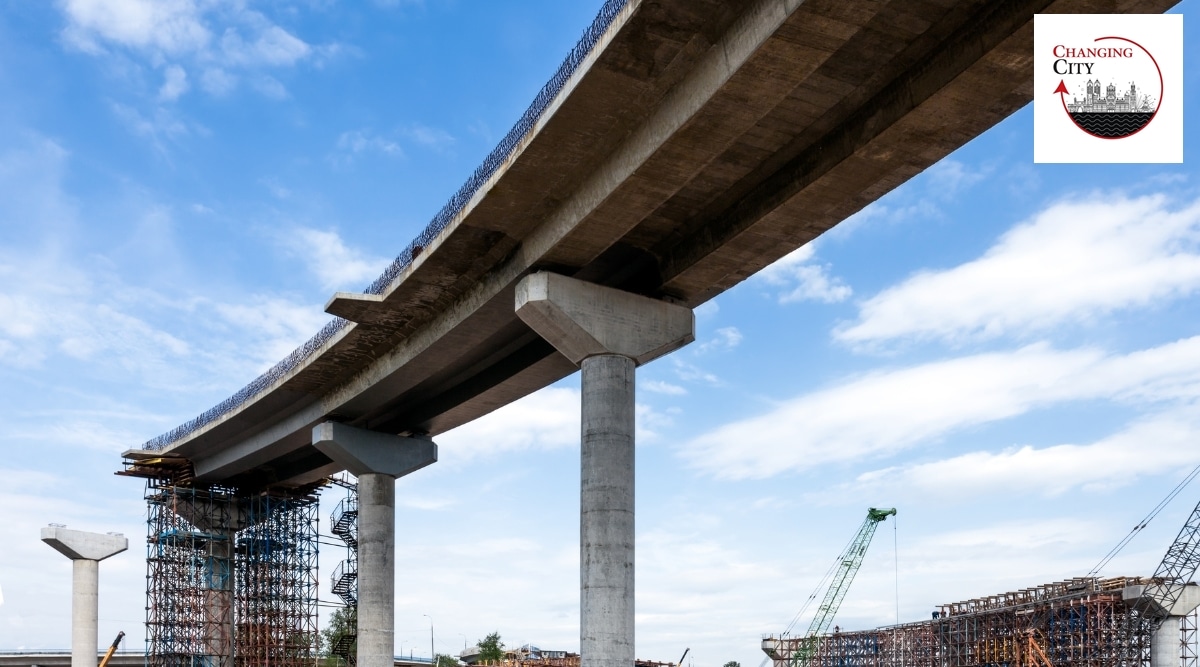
x=682 y=146
x=1085 y=622
x=85 y=550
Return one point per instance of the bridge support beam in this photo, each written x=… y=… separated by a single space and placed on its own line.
x=608 y=333
x=377 y=459
x=1166 y=646
x=85 y=550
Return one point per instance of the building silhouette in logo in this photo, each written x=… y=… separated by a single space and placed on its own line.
x=1100 y=100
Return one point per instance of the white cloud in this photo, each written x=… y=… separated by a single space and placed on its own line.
x=725 y=338
x=272 y=327
x=546 y=419
x=648 y=421
x=218 y=82
x=885 y=412
x=660 y=387
x=707 y=310
x=179 y=33
x=335 y=264
x=354 y=143
x=160 y=128
x=272 y=46
x=175 y=83
x=167 y=26
x=949 y=176
x=689 y=372
x=1148 y=447
x=802 y=280
x=1076 y=261
x=430 y=137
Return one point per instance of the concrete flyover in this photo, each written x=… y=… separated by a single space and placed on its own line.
x=699 y=141
x=695 y=143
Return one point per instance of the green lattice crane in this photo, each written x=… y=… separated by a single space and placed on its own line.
x=846 y=567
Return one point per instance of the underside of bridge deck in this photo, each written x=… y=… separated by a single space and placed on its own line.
x=697 y=143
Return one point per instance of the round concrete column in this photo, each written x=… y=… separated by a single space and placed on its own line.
x=376 y=569
x=606 y=529
x=1166 y=647
x=85 y=610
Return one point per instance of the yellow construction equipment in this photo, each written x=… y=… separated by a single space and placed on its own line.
x=112 y=649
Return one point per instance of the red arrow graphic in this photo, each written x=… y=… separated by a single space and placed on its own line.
x=1061 y=91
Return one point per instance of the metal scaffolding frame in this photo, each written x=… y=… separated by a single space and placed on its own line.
x=344 y=582
x=231 y=579
x=189 y=575
x=275 y=606
x=1081 y=622
x=1187 y=639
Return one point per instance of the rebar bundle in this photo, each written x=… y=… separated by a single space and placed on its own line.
x=231 y=580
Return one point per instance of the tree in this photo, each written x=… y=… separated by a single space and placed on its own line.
x=342 y=623
x=444 y=660
x=732 y=663
x=491 y=648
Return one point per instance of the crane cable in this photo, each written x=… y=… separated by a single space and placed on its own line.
x=820 y=585
x=896 y=556
x=1144 y=522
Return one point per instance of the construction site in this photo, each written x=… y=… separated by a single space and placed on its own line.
x=1081 y=622
x=231 y=578
x=232 y=581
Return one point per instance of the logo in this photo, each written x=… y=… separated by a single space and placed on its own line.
x=1108 y=88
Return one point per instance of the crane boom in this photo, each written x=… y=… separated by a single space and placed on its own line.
x=1177 y=568
x=848 y=564
x=851 y=559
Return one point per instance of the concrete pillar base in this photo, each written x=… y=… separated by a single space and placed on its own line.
x=376 y=569
x=377 y=459
x=609 y=333
x=606 y=518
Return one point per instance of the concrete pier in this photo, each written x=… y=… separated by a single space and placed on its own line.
x=377 y=459
x=608 y=333
x=606 y=526
x=1166 y=645
x=85 y=550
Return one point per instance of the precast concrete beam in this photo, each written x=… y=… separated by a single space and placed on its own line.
x=582 y=319
x=362 y=451
x=377 y=459
x=85 y=550
x=608 y=333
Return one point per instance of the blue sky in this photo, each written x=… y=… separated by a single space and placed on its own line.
x=1008 y=353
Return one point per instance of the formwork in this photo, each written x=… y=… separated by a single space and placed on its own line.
x=231 y=579
x=1081 y=622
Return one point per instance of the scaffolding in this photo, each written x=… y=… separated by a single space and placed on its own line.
x=344 y=582
x=189 y=575
x=276 y=585
x=231 y=579
x=1082 y=622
